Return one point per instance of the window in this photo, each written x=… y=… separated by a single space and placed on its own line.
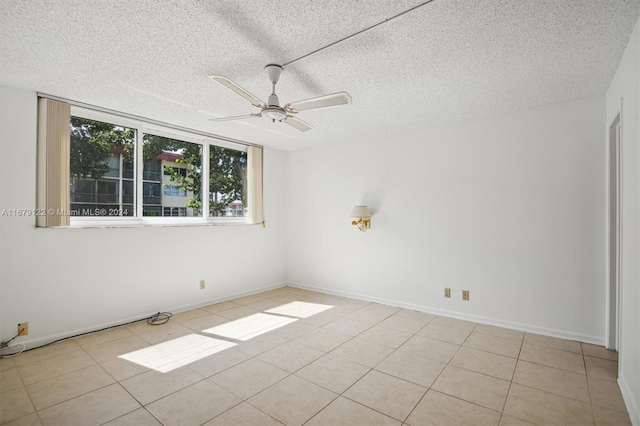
x=181 y=165
x=227 y=182
x=174 y=211
x=97 y=176
x=126 y=171
x=174 y=192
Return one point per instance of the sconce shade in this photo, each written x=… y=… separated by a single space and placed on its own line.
x=360 y=212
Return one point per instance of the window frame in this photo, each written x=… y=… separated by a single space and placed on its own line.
x=141 y=128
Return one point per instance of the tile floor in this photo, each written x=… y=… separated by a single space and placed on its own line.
x=357 y=363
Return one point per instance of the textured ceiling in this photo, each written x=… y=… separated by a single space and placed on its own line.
x=444 y=62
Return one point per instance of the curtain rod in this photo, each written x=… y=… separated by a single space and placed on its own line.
x=146 y=120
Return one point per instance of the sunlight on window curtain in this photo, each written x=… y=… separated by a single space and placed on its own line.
x=53 y=163
x=256 y=214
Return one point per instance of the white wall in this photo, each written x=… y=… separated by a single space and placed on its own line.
x=626 y=86
x=67 y=280
x=510 y=207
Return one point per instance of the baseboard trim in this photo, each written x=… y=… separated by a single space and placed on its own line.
x=597 y=340
x=630 y=402
x=35 y=343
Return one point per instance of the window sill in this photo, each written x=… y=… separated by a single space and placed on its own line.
x=154 y=222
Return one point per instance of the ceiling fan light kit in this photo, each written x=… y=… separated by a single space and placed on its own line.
x=272 y=109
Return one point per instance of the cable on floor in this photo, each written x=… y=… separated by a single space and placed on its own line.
x=155 y=319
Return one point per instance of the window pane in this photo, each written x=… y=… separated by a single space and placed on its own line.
x=172 y=178
x=227 y=182
x=97 y=151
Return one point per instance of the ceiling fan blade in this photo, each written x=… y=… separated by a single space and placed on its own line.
x=236 y=117
x=292 y=121
x=334 y=99
x=236 y=88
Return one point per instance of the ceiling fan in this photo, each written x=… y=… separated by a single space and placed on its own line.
x=272 y=108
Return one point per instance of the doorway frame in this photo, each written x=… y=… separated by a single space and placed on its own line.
x=614 y=278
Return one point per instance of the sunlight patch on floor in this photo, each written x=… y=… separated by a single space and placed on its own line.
x=178 y=352
x=299 y=309
x=250 y=326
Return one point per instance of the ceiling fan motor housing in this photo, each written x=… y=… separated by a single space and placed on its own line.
x=274 y=71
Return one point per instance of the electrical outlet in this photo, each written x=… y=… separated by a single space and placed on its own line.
x=447 y=292
x=202 y=285
x=24 y=326
x=465 y=294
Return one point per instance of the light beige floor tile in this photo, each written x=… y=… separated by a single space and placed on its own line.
x=162 y=333
x=333 y=373
x=45 y=352
x=402 y=324
x=525 y=403
x=106 y=351
x=94 y=408
x=6 y=364
x=445 y=333
x=429 y=348
x=387 y=394
x=248 y=299
x=243 y=415
x=553 y=358
x=249 y=378
x=237 y=313
x=29 y=420
x=323 y=318
x=103 y=337
x=121 y=369
x=422 y=317
x=454 y=322
x=10 y=380
x=411 y=367
x=495 y=365
x=265 y=304
x=293 y=330
x=293 y=400
x=139 y=417
x=373 y=313
x=605 y=393
x=54 y=366
x=67 y=386
x=346 y=308
x=291 y=356
x=189 y=315
x=220 y=361
x=513 y=421
x=385 y=336
x=153 y=385
x=344 y=412
x=362 y=352
x=599 y=352
x=323 y=340
x=205 y=322
x=493 y=344
x=504 y=333
x=219 y=307
x=194 y=405
x=437 y=409
x=470 y=386
x=606 y=417
x=554 y=380
x=15 y=404
x=260 y=344
x=553 y=342
x=345 y=325
x=601 y=368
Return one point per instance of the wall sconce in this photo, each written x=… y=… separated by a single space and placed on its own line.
x=362 y=216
